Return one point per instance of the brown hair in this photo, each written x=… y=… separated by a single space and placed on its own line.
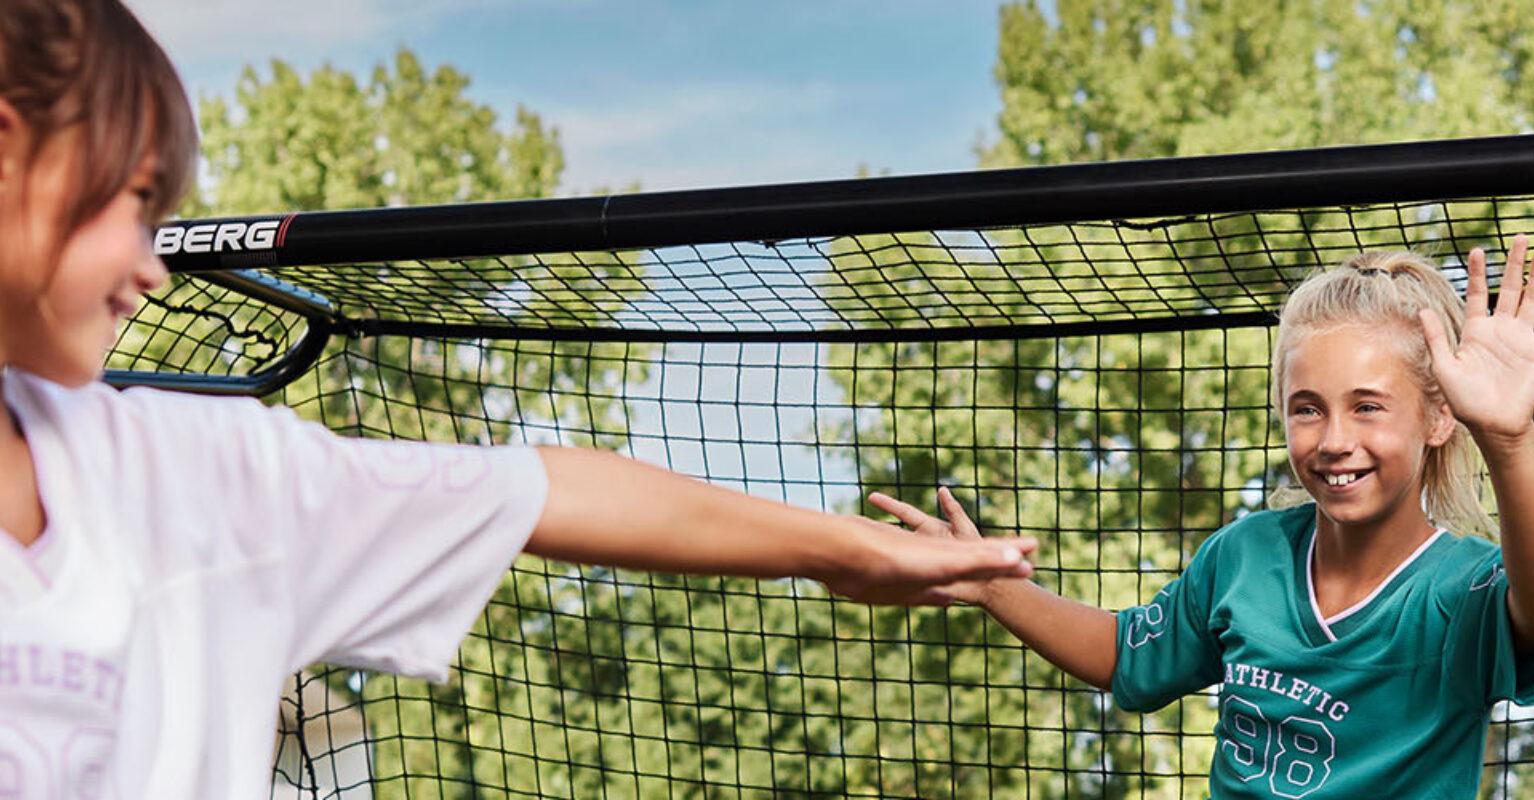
x=1385 y=290
x=90 y=63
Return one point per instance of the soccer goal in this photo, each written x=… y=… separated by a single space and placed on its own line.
x=1080 y=352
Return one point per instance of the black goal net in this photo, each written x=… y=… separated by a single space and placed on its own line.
x=1080 y=352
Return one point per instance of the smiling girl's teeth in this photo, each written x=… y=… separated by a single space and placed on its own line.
x=1343 y=479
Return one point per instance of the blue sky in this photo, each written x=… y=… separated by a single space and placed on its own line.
x=666 y=93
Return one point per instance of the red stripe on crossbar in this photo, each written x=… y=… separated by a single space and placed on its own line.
x=282 y=230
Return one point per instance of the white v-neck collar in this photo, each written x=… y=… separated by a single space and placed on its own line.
x=1326 y=623
x=23 y=573
x=33 y=570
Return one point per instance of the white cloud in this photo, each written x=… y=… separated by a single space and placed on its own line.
x=646 y=117
x=209 y=28
x=670 y=137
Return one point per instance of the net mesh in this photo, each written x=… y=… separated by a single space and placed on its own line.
x=1101 y=385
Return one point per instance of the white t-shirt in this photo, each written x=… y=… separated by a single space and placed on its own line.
x=200 y=550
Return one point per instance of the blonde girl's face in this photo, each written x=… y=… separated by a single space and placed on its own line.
x=1358 y=425
x=62 y=317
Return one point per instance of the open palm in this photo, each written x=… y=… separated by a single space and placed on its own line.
x=1489 y=379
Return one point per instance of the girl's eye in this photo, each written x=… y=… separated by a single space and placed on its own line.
x=144 y=192
x=1369 y=408
x=146 y=199
x=1307 y=411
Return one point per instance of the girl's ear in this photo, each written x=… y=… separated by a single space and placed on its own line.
x=1441 y=426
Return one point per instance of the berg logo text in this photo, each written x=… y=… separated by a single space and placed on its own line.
x=216 y=237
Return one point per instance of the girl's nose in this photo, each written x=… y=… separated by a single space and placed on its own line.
x=1337 y=438
x=149 y=273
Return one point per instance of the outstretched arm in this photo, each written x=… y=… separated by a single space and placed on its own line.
x=1489 y=384
x=606 y=509
x=1076 y=637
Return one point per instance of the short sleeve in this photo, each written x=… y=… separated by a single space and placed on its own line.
x=367 y=553
x=1165 y=647
x=388 y=550
x=1481 y=656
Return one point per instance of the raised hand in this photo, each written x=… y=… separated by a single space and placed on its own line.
x=1489 y=379
x=957 y=526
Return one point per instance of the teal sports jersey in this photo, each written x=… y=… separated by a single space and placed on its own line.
x=1390 y=698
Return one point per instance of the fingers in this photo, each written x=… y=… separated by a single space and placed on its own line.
x=905 y=512
x=954 y=512
x=924 y=572
x=1516 y=256
x=976 y=558
x=1511 y=293
x=881 y=527
x=1437 y=339
x=992 y=558
x=1475 y=291
x=936 y=561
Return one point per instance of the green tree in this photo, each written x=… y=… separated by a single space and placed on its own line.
x=1117 y=79
x=408 y=136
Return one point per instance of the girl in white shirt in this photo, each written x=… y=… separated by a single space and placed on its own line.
x=166 y=560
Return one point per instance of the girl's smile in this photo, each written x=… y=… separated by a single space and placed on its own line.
x=1344 y=481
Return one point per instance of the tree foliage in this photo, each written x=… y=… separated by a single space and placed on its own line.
x=1116 y=79
x=407 y=136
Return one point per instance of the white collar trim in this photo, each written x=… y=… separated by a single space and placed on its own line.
x=1310 y=583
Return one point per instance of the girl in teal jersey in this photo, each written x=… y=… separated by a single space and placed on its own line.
x=1358 y=645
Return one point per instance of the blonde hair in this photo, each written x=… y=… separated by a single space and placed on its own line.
x=1387 y=289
